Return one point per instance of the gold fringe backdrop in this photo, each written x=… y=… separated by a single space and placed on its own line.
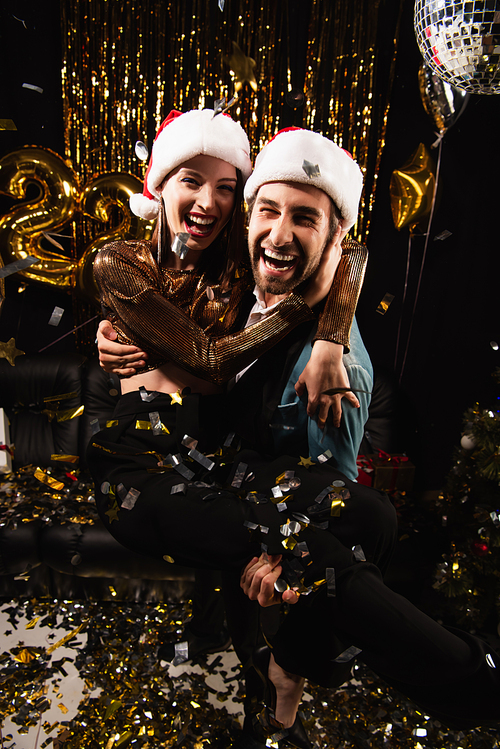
x=327 y=66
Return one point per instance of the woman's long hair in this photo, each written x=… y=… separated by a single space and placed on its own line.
x=223 y=256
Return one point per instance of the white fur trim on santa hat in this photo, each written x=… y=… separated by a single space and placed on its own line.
x=194 y=133
x=142 y=206
x=283 y=160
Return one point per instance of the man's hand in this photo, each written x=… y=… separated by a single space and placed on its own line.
x=117 y=358
x=258 y=580
x=320 y=282
x=324 y=370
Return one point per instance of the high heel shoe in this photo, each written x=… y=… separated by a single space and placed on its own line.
x=266 y=721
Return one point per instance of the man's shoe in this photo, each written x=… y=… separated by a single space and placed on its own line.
x=197 y=645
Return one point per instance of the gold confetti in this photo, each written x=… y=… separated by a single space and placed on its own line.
x=306 y=462
x=176 y=398
x=32 y=623
x=7 y=125
x=67 y=637
x=385 y=303
x=9 y=351
x=46 y=479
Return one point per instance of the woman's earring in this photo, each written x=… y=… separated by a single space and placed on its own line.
x=159 y=248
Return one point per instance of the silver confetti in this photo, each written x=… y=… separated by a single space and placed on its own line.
x=277 y=492
x=121 y=491
x=155 y=421
x=201 y=459
x=347 y=655
x=294 y=482
x=181 y=650
x=178 y=489
x=280 y=585
x=179 y=245
x=337 y=484
x=56 y=315
x=141 y=151
x=494 y=345
x=146 y=396
x=105 y=487
x=32 y=87
x=325 y=456
x=189 y=442
x=130 y=500
x=359 y=554
x=210 y=293
x=11 y=268
x=221 y=4
x=178 y=465
x=281 y=506
x=239 y=475
x=312 y=170
x=94 y=426
x=490 y=661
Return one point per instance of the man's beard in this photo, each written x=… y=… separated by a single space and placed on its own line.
x=275 y=285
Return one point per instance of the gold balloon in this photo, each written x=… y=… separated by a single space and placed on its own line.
x=412 y=189
x=100 y=199
x=22 y=229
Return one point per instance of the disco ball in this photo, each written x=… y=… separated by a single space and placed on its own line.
x=460 y=41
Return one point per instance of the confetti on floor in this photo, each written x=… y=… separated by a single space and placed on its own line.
x=79 y=674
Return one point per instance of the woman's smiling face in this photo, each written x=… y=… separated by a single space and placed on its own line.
x=199 y=198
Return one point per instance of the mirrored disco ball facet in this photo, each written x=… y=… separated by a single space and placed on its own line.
x=460 y=40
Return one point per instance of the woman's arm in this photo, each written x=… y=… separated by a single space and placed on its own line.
x=337 y=316
x=325 y=369
x=130 y=290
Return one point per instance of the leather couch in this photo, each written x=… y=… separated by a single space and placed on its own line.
x=52 y=542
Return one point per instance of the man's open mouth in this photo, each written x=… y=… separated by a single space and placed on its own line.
x=200 y=226
x=278 y=261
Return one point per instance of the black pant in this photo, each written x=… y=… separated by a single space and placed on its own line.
x=221 y=526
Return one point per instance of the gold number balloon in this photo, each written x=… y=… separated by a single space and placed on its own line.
x=412 y=189
x=21 y=230
x=100 y=198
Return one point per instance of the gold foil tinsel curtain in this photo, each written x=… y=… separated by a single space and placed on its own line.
x=127 y=63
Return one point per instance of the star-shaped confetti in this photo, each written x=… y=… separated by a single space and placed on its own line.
x=306 y=462
x=112 y=513
x=176 y=398
x=9 y=351
x=242 y=67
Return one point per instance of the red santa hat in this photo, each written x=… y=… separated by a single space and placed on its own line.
x=181 y=137
x=297 y=155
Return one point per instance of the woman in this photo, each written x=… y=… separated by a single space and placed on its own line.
x=162 y=491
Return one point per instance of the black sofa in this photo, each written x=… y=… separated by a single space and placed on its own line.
x=51 y=541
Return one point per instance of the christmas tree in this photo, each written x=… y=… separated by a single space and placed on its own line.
x=468 y=577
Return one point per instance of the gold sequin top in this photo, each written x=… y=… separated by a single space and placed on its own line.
x=177 y=316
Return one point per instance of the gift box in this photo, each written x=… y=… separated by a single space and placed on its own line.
x=386 y=472
x=5 y=448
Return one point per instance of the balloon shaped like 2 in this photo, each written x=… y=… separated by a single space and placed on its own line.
x=412 y=189
x=22 y=228
x=443 y=102
x=100 y=199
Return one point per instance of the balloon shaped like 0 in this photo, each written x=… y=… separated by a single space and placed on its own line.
x=443 y=102
x=21 y=230
x=100 y=198
x=412 y=189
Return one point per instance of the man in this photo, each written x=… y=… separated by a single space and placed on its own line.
x=295 y=213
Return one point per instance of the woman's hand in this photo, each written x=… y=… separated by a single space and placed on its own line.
x=320 y=282
x=325 y=370
x=258 y=580
x=117 y=358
